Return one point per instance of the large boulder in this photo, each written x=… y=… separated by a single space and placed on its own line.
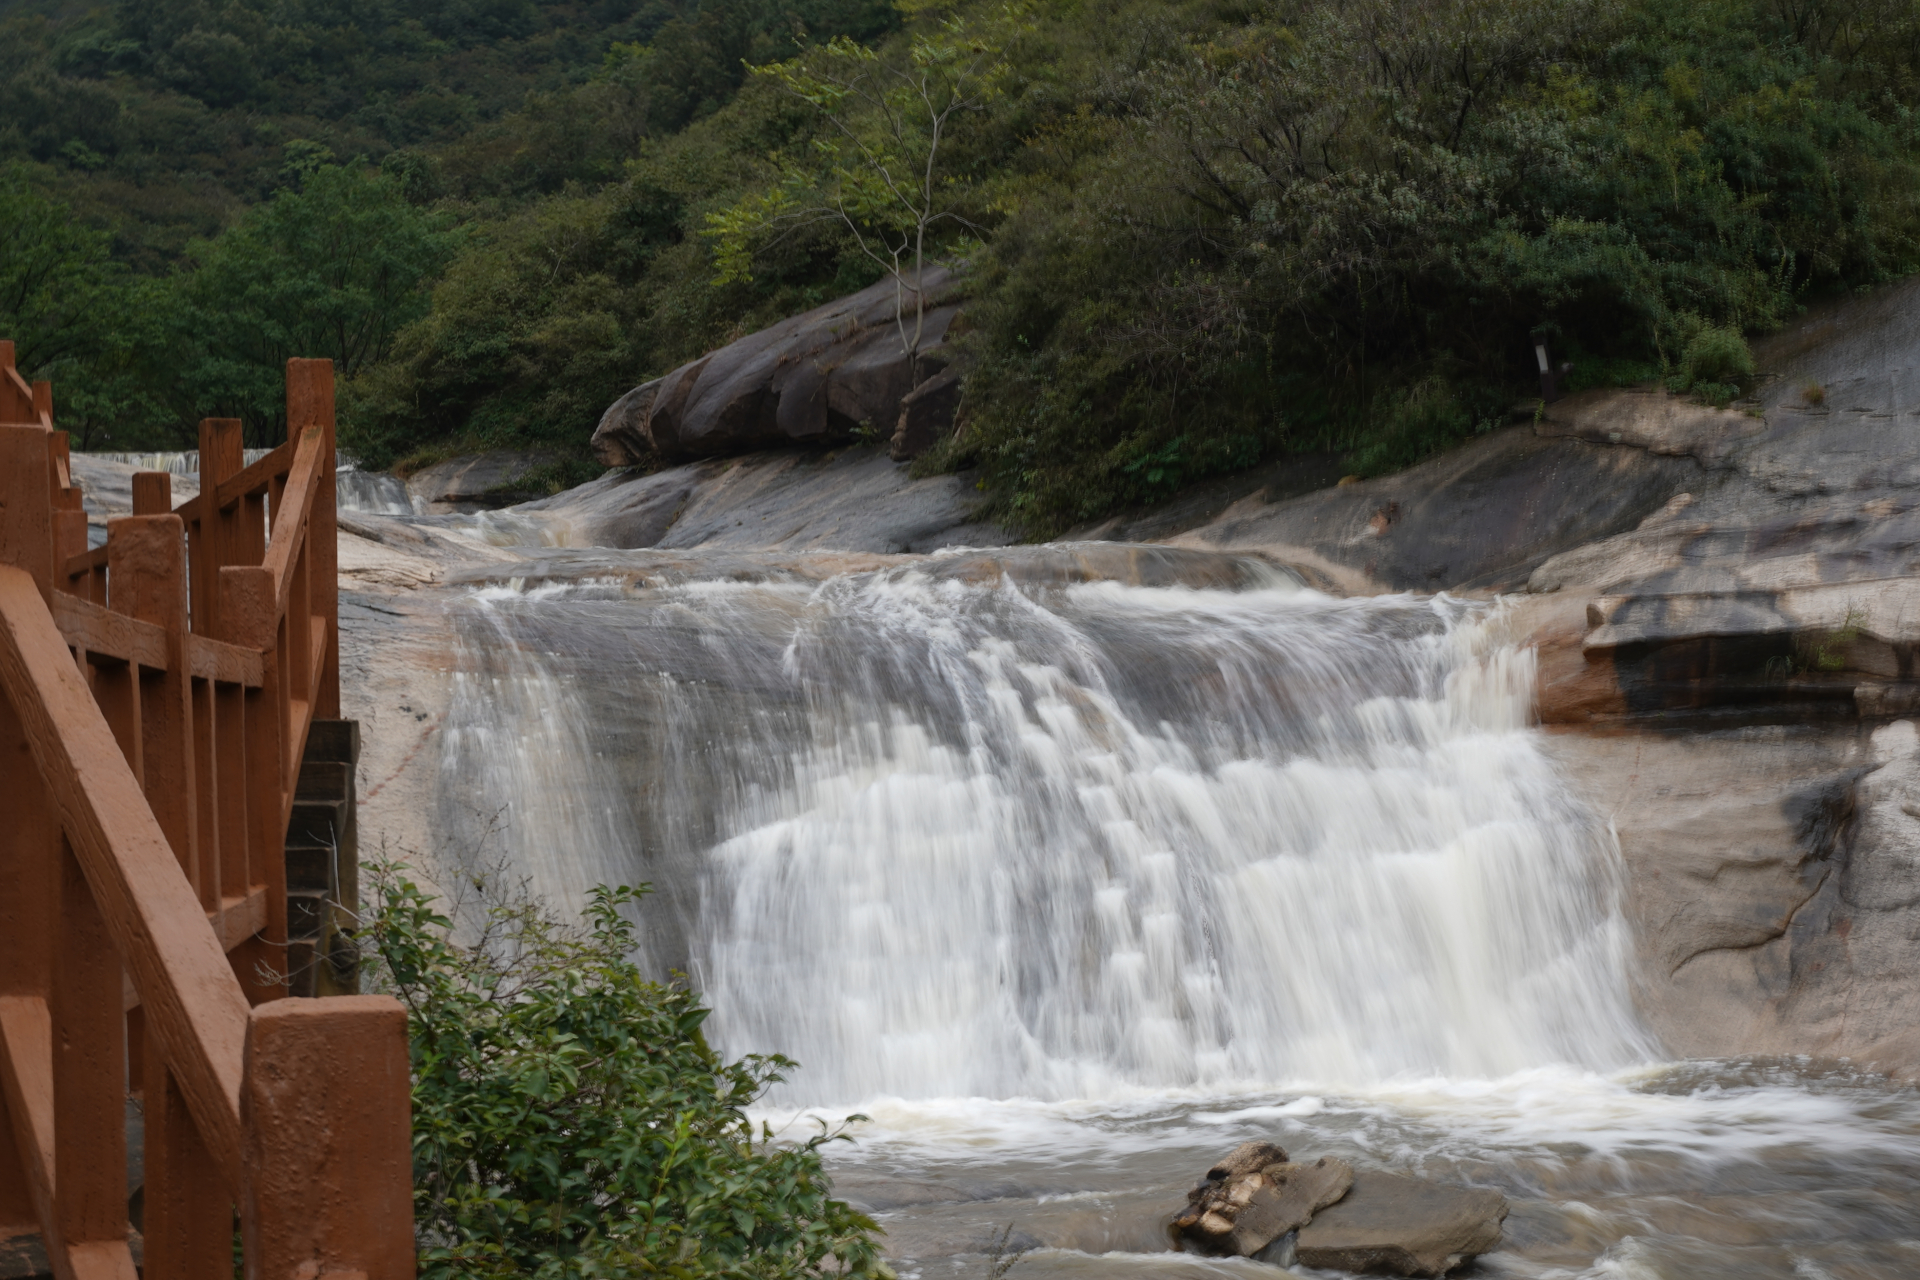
x=1388 y=1225
x=807 y=379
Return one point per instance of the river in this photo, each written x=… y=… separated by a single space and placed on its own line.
x=1069 y=886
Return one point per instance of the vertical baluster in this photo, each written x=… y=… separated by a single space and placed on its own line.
x=17 y=1215
x=249 y=616
x=199 y=571
x=69 y=519
x=230 y=703
x=29 y=862
x=188 y=1222
x=299 y=632
x=89 y=1082
x=116 y=687
x=206 y=795
x=310 y=404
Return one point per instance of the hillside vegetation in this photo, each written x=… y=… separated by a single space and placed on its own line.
x=1196 y=235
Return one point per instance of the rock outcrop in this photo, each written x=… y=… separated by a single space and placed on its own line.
x=1388 y=1225
x=807 y=380
x=475 y=481
x=1484 y=516
x=1255 y=1196
x=852 y=499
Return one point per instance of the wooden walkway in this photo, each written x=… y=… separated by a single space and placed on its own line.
x=156 y=694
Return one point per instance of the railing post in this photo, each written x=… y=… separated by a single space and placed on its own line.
x=310 y=404
x=26 y=503
x=29 y=858
x=216 y=542
x=29 y=851
x=326 y=1111
x=69 y=518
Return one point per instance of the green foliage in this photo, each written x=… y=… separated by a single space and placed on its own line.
x=332 y=268
x=570 y=1120
x=1277 y=226
x=76 y=316
x=882 y=169
x=1197 y=233
x=1715 y=364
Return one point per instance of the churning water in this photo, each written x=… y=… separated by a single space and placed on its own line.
x=1071 y=885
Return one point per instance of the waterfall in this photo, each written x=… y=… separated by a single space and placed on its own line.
x=933 y=836
x=371 y=492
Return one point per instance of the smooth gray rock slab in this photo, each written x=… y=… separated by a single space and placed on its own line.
x=854 y=499
x=805 y=380
x=1390 y=1225
x=1485 y=515
x=473 y=481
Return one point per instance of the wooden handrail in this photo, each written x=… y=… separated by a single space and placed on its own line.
x=290 y=523
x=156 y=694
x=102 y=633
x=247 y=482
x=195 y=1007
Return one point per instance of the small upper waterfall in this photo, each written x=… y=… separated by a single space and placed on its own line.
x=373 y=492
x=933 y=835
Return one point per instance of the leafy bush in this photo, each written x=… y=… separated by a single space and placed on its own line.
x=1716 y=357
x=570 y=1120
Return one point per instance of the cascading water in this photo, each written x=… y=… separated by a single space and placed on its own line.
x=371 y=492
x=1073 y=885
x=1057 y=842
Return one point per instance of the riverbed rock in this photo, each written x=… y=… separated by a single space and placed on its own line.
x=1255 y=1196
x=850 y=499
x=1391 y=1225
x=475 y=481
x=1483 y=516
x=810 y=379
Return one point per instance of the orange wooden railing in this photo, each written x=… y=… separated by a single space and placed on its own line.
x=155 y=698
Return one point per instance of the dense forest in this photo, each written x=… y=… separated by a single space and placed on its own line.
x=1194 y=235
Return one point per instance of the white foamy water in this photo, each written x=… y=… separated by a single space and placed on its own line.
x=369 y=492
x=1072 y=887
x=1073 y=842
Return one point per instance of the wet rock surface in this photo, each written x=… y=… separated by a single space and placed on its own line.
x=1483 y=516
x=1257 y=1203
x=1391 y=1225
x=474 y=482
x=853 y=499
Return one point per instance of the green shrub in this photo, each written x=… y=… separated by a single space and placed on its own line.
x=1715 y=364
x=570 y=1120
